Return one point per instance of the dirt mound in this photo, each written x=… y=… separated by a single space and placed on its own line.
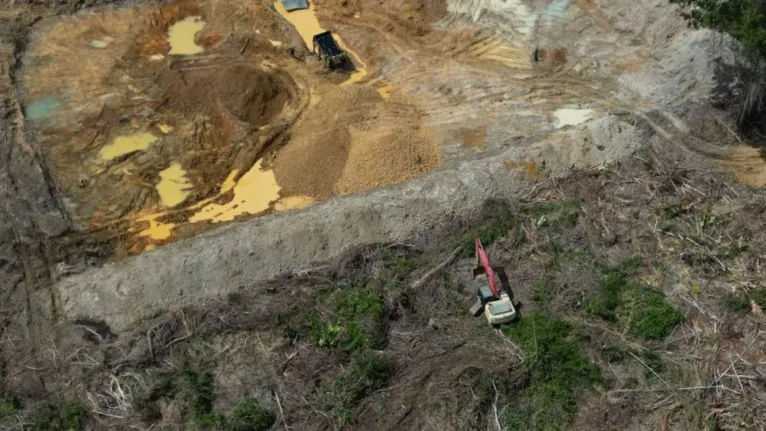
x=378 y=158
x=312 y=165
x=252 y=95
x=349 y=142
x=314 y=160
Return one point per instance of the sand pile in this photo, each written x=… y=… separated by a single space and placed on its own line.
x=349 y=142
x=314 y=160
x=383 y=157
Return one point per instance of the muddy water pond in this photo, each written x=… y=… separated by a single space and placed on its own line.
x=181 y=36
x=122 y=145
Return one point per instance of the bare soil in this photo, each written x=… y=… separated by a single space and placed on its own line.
x=471 y=112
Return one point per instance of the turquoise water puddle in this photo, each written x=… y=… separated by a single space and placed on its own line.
x=42 y=108
x=556 y=9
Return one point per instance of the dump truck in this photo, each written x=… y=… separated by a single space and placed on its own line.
x=325 y=47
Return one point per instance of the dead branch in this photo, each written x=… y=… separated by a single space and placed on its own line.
x=281 y=412
x=428 y=275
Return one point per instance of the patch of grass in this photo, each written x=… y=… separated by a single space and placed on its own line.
x=67 y=417
x=198 y=389
x=562 y=214
x=759 y=296
x=249 y=415
x=195 y=389
x=639 y=308
x=736 y=303
x=558 y=372
x=653 y=361
x=541 y=292
x=367 y=374
x=739 y=303
x=615 y=280
x=355 y=323
x=647 y=315
x=8 y=406
x=397 y=265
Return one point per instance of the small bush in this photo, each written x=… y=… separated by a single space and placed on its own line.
x=561 y=214
x=736 y=303
x=499 y=219
x=541 y=292
x=650 y=316
x=558 y=372
x=8 y=406
x=68 y=417
x=615 y=280
x=739 y=303
x=355 y=325
x=249 y=415
x=639 y=308
x=193 y=387
x=368 y=373
x=198 y=389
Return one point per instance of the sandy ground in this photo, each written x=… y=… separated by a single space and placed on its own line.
x=476 y=87
x=159 y=182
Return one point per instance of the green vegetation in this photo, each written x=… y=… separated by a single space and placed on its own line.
x=500 y=220
x=744 y=20
x=561 y=214
x=67 y=417
x=194 y=388
x=541 y=292
x=615 y=280
x=639 y=308
x=8 y=406
x=646 y=313
x=736 y=303
x=368 y=372
x=739 y=303
x=494 y=228
x=558 y=373
x=249 y=415
x=197 y=387
x=398 y=265
x=355 y=323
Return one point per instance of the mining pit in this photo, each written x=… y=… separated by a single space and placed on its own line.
x=178 y=138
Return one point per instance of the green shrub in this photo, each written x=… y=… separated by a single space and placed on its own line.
x=541 y=292
x=615 y=280
x=640 y=308
x=67 y=417
x=198 y=387
x=249 y=415
x=558 y=373
x=367 y=374
x=744 y=20
x=650 y=316
x=561 y=214
x=8 y=406
x=355 y=323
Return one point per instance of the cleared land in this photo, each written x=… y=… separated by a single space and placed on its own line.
x=201 y=228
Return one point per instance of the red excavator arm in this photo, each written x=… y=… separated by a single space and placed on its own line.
x=483 y=260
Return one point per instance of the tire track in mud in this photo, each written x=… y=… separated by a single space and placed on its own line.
x=490 y=79
x=31 y=208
